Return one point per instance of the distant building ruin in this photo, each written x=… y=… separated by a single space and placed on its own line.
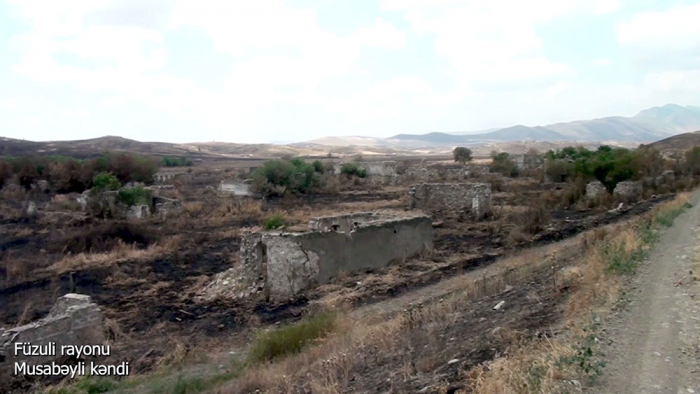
x=237 y=187
x=474 y=198
x=527 y=161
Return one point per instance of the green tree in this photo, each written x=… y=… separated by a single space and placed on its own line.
x=462 y=154
x=105 y=181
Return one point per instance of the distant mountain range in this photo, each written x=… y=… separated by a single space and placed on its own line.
x=647 y=126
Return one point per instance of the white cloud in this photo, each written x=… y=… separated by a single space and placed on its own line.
x=675 y=81
x=493 y=41
x=601 y=62
x=671 y=36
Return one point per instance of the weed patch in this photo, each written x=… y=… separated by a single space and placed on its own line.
x=292 y=338
x=275 y=221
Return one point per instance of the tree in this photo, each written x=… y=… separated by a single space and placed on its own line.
x=105 y=181
x=462 y=154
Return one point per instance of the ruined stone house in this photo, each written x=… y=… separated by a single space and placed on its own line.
x=527 y=161
x=474 y=198
x=286 y=264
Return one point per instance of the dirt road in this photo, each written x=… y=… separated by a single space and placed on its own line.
x=652 y=344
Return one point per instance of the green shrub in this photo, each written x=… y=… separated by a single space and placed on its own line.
x=606 y=164
x=291 y=338
x=182 y=161
x=105 y=181
x=503 y=164
x=274 y=222
x=318 y=166
x=352 y=169
x=135 y=196
x=295 y=175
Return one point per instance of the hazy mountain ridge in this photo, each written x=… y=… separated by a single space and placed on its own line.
x=648 y=125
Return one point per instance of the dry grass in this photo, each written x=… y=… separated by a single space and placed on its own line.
x=594 y=284
x=122 y=252
x=219 y=212
x=531 y=368
x=25 y=317
x=361 y=339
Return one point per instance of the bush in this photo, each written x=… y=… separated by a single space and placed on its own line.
x=275 y=221
x=503 y=164
x=182 y=161
x=105 y=181
x=318 y=167
x=292 y=338
x=352 y=169
x=279 y=176
x=135 y=196
x=560 y=170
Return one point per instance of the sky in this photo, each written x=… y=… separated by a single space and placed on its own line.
x=296 y=70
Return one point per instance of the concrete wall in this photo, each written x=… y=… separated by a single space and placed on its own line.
x=344 y=223
x=237 y=188
x=73 y=320
x=471 y=197
x=292 y=262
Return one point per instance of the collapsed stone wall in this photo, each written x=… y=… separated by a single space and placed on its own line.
x=474 y=198
x=73 y=320
x=285 y=264
x=373 y=169
x=595 y=189
x=629 y=189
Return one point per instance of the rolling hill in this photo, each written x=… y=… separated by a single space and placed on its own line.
x=649 y=125
x=678 y=143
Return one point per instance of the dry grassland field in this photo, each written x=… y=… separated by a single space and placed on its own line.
x=226 y=278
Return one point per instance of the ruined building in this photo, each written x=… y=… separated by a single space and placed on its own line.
x=474 y=198
x=282 y=265
x=73 y=320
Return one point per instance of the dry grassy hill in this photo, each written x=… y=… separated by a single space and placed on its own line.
x=678 y=143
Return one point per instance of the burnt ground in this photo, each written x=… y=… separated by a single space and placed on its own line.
x=435 y=361
x=150 y=302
